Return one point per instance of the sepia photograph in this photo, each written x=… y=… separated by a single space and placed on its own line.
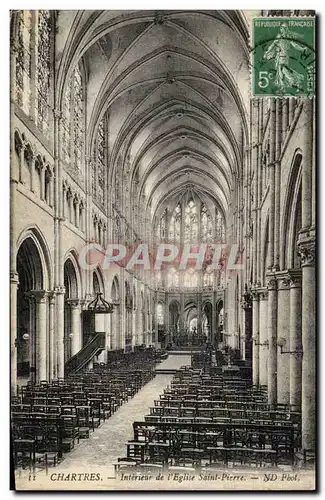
x=163 y=250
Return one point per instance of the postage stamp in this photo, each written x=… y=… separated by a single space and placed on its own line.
x=283 y=56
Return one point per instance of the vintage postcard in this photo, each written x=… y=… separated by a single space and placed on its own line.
x=163 y=235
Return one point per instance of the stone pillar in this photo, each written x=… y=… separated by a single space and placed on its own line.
x=75 y=325
x=108 y=329
x=256 y=338
x=51 y=350
x=13 y=332
x=263 y=337
x=60 y=291
x=133 y=328
x=32 y=174
x=77 y=214
x=42 y=183
x=138 y=325
x=272 y=340
x=247 y=306
x=283 y=336
x=199 y=313
x=308 y=329
x=41 y=334
x=295 y=338
x=214 y=341
x=285 y=117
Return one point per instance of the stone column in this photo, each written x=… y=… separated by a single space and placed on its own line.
x=32 y=174
x=283 y=335
x=60 y=291
x=255 y=346
x=75 y=325
x=263 y=337
x=295 y=338
x=108 y=329
x=285 y=117
x=272 y=340
x=138 y=325
x=134 y=328
x=77 y=214
x=41 y=334
x=13 y=332
x=199 y=313
x=42 y=183
x=214 y=341
x=52 y=353
x=247 y=307
x=308 y=329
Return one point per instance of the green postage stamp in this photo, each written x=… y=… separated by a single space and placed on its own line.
x=283 y=56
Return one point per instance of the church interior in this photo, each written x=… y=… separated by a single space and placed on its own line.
x=138 y=127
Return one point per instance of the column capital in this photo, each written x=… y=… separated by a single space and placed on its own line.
x=74 y=303
x=51 y=295
x=14 y=278
x=295 y=277
x=59 y=290
x=38 y=295
x=307 y=252
x=271 y=282
x=263 y=293
x=283 y=280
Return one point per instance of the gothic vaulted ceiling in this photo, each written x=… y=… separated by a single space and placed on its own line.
x=175 y=85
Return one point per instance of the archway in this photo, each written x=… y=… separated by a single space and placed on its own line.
x=72 y=334
x=207 y=321
x=220 y=323
x=31 y=304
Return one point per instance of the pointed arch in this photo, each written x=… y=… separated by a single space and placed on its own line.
x=36 y=236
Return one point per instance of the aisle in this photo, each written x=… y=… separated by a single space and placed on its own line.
x=174 y=361
x=107 y=443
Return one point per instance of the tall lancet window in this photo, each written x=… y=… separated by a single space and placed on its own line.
x=99 y=169
x=206 y=224
x=23 y=62
x=191 y=228
x=73 y=121
x=33 y=57
x=162 y=227
x=174 y=231
x=220 y=227
x=43 y=68
x=66 y=123
x=78 y=118
x=172 y=279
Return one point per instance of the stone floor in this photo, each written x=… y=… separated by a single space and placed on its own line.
x=107 y=443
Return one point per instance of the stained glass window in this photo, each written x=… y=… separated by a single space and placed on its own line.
x=66 y=123
x=206 y=224
x=208 y=279
x=159 y=279
x=190 y=279
x=161 y=228
x=101 y=169
x=173 y=280
x=73 y=121
x=160 y=314
x=23 y=61
x=174 y=232
x=190 y=223
x=78 y=117
x=43 y=55
x=220 y=227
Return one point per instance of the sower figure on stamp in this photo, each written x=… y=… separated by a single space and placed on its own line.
x=279 y=51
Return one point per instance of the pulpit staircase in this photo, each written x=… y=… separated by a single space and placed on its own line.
x=94 y=346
